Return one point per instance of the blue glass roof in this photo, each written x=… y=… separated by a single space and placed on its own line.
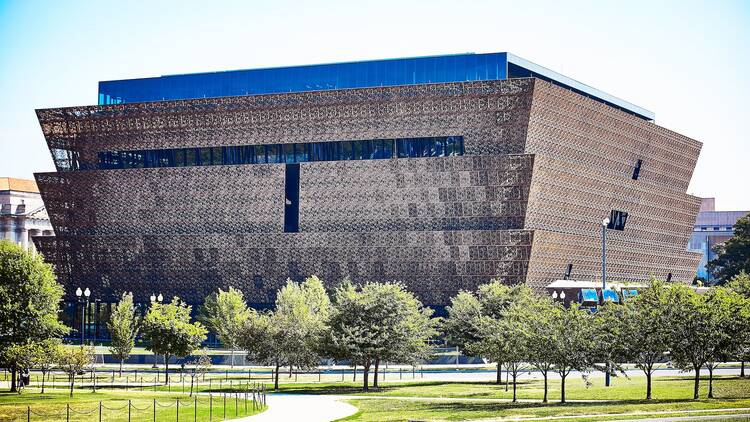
x=363 y=74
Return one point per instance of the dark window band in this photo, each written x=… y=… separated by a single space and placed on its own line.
x=373 y=149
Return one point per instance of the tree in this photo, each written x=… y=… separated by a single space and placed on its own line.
x=469 y=316
x=123 y=326
x=741 y=285
x=646 y=329
x=225 y=313
x=168 y=329
x=729 y=317
x=378 y=321
x=73 y=360
x=608 y=344
x=515 y=333
x=571 y=347
x=694 y=337
x=199 y=365
x=293 y=333
x=733 y=256
x=46 y=357
x=29 y=300
x=541 y=334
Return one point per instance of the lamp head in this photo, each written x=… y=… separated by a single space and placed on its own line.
x=160 y=298
x=605 y=222
x=554 y=294
x=87 y=292
x=79 y=292
x=562 y=295
x=153 y=298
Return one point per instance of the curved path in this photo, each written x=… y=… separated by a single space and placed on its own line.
x=302 y=407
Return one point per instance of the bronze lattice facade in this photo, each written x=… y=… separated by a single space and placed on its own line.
x=541 y=166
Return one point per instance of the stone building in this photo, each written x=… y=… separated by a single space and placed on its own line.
x=22 y=212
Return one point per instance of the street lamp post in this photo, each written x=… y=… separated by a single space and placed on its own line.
x=155 y=298
x=605 y=223
x=86 y=294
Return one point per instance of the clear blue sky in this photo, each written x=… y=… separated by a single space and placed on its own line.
x=687 y=61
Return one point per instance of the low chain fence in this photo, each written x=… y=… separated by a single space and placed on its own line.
x=179 y=381
x=203 y=407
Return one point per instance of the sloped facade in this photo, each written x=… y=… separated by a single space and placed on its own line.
x=540 y=167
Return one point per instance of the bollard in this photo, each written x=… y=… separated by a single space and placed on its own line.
x=67 y=412
x=154 y=410
x=195 y=408
x=100 y=411
x=128 y=410
x=178 y=410
x=235 y=404
x=28 y=413
x=210 y=407
x=225 y=405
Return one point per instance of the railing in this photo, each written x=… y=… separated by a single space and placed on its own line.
x=241 y=403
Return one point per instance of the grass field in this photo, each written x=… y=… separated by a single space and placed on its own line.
x=84 y=406
x=403 y=410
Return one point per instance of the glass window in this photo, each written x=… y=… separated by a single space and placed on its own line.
x=191 y=157
x=288 y=151
x=217 y=156
x=179 y=157
x=260 y=154
x=272 y=152
x=205 y=157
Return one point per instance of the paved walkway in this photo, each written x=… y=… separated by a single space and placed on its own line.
x=301 y=407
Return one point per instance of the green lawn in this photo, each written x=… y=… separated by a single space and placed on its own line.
x=403 y=410
x=51 y=406
x=667 y=388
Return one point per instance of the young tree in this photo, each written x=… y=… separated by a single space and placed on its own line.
x=609 y=345
x=728 y=322
x=542 y=333
x=378 y=321
x=225 y=313
x=29 y=300
x=73 y=360
x=741 y=285
x=198 y=365
x=168 y=329
x=470 y=314
x=694 y=337
x=514 y=328
x=46 y=357
x=646 y=329
x=123 y=326
x=571 y=347
x=293 y=333
x=733 y=256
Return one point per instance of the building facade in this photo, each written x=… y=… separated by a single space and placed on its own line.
x=440 y=172
x=711 y=228
x=22 y=212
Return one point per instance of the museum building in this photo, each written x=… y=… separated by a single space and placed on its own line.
x=441 y=172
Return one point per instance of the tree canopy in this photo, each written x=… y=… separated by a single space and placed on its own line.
x=29 y=300
x=733 y=256
x=225 y=313
x=169 y=332
x=123 y=325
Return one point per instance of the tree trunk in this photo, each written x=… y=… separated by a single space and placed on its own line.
x=742 y=369
x=43 y=374
x=231 y=364
x=13 y=386
x=515 y=374
x=562 y=388
x=710 y=382
x=276 y=378
x=648 y=385
x=290 y=370
x=499 y=374
x=166 y=369
x=375 y=379
x=544 y=400
x=354 y=377
x=192 y=378
x=506 y=378
x=72 y=381
x=365 y=375
x=697 y=382
x=121 y=361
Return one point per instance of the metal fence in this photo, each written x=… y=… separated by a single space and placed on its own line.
x=219 y=406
